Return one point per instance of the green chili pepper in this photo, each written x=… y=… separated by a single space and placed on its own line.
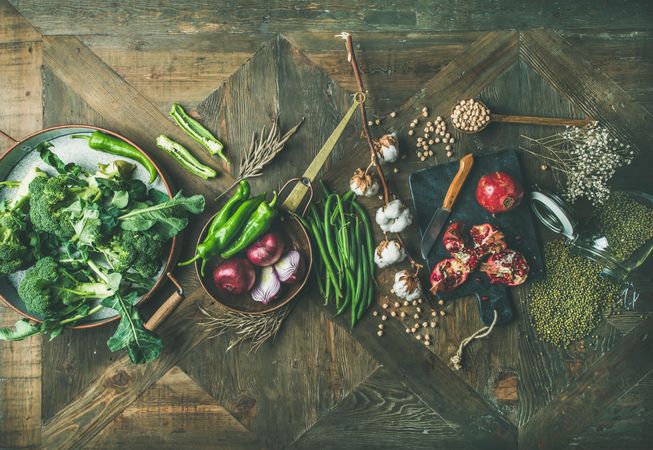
x=197 y=131
x=115 y=146
x=214 y=243
x=258 y=223
x=184 y=157
x=232 y=204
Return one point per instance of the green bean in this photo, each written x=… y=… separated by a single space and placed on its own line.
x=365 y=288
x=369 y=234
x=327 y=262
x=329 y=235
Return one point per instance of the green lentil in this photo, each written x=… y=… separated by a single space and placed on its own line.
x=568 y=304
x=626 y=223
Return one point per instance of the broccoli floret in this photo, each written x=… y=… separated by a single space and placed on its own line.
x=135 y=250
x=49 y=198
x=15 y=253
x=48 y=286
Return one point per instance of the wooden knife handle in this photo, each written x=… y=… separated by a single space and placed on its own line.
x=466 y=163
x=552 y=121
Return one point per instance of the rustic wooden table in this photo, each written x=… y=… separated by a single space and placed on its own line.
x=120 y=64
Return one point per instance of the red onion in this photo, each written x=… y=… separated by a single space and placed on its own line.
x=290 y=268
x=234 y=276
x=268 y=287
x=267 y=250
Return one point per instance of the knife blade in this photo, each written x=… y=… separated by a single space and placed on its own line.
x=440 y=216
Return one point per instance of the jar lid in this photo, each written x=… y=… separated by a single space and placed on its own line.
x=554 y=213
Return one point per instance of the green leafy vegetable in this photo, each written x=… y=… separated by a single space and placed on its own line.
x=142 y=345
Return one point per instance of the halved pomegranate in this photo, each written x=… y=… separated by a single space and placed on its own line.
x=508 y=267
x=453 y=238
x=488 y=239
x=448 y=274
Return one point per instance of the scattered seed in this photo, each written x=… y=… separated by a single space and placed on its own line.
x=375 y=313
x=393 y=114
x=411 y=132
x=384 y=317
x=380 y=332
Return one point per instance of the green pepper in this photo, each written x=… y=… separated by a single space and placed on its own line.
x=115 y=146
x=197 y=131
x=232 y=204
x=214 y=243
x=184 y=157
x=259 y=222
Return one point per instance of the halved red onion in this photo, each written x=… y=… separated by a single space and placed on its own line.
x=268 y=286
x=290 y=267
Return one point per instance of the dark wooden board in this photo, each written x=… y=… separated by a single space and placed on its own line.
x=428 y=188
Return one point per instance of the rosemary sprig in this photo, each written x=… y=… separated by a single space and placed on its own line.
x=254 y=328
x=262 y=151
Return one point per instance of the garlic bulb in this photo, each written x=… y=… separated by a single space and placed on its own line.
x=389 y=252
x=386 y=148
x=394 y=217
x=407 y=285
x=363 y=184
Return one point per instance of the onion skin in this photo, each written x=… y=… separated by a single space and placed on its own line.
x=268 y=287
x=285 y=276
x=267 y=250
x=498 y=192
x=235 y=276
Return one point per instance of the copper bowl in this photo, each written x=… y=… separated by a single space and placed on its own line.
x=295 y=237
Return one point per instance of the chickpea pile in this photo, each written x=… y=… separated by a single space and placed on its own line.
x=470 y=115
x=434 y=132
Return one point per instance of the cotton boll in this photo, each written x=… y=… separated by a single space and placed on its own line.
x=386 y=148
x=389 y=252
x=363 y=184
x=394 y=217
x=407 y=286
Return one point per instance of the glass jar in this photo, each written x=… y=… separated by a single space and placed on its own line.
x=588 y=240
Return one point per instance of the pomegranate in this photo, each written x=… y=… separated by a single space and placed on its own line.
x=453 y=239
x=448 y=274
x=507 y=267
x=498 y=192
x=487 y=239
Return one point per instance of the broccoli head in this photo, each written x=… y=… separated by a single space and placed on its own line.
x=135 y=250
x=48 y=285
x=14 y=253
x=46 y=203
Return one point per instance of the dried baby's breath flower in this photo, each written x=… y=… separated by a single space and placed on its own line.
x=586 y=157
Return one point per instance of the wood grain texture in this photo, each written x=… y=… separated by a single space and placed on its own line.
x=189 y=17
x=381 y=413
x=593 y=92
x=122 y=382
x=626 y=421
x=162 y=67
x=118 y=102
x=284 y=388
x=596 y=389
x=175 y=413
x=20 y=362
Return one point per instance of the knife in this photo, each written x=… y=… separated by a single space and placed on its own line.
x=441 y=215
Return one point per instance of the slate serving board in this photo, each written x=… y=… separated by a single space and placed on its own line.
x=428 y=188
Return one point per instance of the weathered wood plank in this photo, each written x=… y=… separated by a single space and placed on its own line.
x=175 y=413
x=20 y=95
x=584 y=400
x=381 y=413
x=14 y=27
x=482 y=62
x=117 y=388
x=626 y=423
x=591 y=90
x=181 y=68
x=186 y=17
x=284 y=388
x=119 y=103
x=625 y=57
